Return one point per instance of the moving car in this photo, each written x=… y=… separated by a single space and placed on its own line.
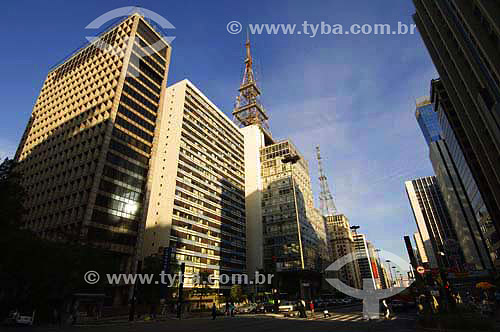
x=263 y=308
x=247 y=308
x=287 y=306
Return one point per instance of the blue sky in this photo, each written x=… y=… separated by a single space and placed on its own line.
x=354 y=95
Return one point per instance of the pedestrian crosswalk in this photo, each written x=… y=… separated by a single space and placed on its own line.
x=346 y=317
x=343 y=317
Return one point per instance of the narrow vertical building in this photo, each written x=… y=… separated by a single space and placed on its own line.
x=341 y=244
x=363 y=260
x=197 y=200
x=432 y=218
x=86 y=152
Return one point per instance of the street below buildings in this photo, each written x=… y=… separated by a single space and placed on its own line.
x=345 y=319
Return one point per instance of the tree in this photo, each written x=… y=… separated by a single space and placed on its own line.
x=204 y=285
x=37 y=273
x=236 y=293
x=12 y=195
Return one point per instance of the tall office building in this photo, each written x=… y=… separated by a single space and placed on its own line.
x=462 y=37
x=427 y=120
x=86 y=152
x=469 y=198
x=461 y=214
x=197 y=200
x=284 y=231
x=451 y=186
x=372 y=252
x=342 y=244
x=363 y=260
x=432 y=218
x=419 y=243
x=294 y=232
x=251 y=117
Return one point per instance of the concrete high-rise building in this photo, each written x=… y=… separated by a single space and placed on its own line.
x=197 y=197
x=419 y=243
x=469 y=196
x=363 y=260
x=87 y=149
x=450 y=184
x=342 y=244
x=432 y=218
x=462 y=38
x=294 y=231
x=374 y=261
x=284 y=232
x=385 y=279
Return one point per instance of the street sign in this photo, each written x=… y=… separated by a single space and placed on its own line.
x=420 y=269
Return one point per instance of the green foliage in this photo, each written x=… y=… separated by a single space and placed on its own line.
x=150 y=293
x=12 y=195
x=236 y=293
x=36 y=273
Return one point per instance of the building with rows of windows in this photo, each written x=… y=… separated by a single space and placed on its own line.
x=86 y=150
x=197 y=201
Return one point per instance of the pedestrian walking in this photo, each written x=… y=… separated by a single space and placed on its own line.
x=231 y=309
x=302 y=309
x=214 y=311
x=386 y=309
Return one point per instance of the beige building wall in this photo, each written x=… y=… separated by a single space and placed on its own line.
x=254 y=141
x=420 y=247
x=164 y=168
x=421 y=225
x=342 y=244
x=197 y=201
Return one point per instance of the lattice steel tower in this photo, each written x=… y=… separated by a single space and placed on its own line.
x=326 y=203
x=248 y=110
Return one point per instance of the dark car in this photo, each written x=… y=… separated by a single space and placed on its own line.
x=263 y=308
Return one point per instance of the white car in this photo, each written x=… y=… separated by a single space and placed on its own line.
x=247 y=308
x=287 y=306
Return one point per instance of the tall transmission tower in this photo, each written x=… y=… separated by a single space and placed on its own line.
x=248 y=109
x=326 y=203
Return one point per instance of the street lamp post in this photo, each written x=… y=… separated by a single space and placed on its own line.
x=292 y=160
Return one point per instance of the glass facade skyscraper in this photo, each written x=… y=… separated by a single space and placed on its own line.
x=470 y=197
x=462 y=39
x=428 y=120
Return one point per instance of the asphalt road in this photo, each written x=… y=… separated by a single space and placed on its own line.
x=343 y=319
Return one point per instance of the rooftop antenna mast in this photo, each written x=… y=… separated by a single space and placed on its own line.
x=248 y=110
x=326 y=203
